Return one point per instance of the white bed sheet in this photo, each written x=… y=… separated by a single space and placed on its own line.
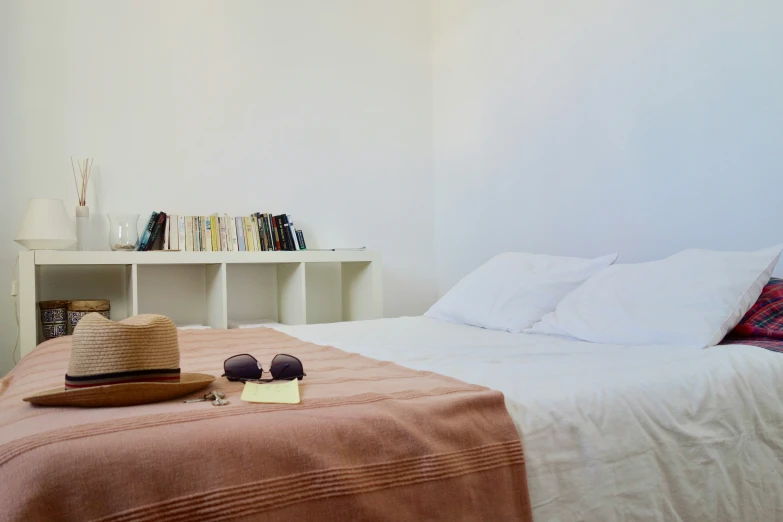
x=612 y=433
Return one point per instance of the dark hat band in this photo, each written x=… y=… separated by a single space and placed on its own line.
x=159 y=375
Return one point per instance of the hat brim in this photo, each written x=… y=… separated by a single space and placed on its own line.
x=128 y=394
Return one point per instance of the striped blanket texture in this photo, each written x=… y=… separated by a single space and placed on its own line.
x=370 y=440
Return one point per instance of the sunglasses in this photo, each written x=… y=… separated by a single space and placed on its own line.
x=245 y=367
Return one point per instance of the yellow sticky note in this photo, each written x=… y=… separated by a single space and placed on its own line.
x=285 y=393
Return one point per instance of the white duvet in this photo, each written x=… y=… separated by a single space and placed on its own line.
x=612 y=433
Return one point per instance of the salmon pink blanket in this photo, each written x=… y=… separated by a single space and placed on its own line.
x=370 y=440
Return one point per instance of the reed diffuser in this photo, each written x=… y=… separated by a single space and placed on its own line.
x=82 y=211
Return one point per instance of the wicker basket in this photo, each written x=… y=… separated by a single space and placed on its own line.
x=78 y=309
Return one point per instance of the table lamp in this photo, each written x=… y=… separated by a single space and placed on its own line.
x=46 y=226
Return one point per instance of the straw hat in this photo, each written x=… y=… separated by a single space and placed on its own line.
x=133 y=361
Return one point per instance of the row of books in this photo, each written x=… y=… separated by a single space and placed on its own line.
x=255 y=233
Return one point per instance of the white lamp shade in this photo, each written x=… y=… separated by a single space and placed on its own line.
x=46 y=226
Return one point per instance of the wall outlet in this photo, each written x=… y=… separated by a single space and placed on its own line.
x=13 y=288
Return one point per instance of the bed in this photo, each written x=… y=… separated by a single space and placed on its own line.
x=609 y=432
x=446 y=421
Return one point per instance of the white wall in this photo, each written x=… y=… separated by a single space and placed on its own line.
x=319 y=109
x=583 y=128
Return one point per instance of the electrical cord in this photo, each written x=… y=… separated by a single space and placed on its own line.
x=16 y=312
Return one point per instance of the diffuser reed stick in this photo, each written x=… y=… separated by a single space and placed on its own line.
x=85 y=168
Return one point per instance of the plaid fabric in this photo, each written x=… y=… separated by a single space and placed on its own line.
x=762 y=326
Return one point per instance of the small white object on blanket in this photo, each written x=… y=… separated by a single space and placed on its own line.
x=193 y=327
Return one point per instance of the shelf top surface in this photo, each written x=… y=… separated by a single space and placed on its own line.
x=72 y=257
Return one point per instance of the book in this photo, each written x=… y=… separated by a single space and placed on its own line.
x=200 y=234
x=264 y=235
x=231 y=226
x=249 y=245
x=270 y=245
x=156 y=236
x=275 y=236
x=281 y=233
x=222 y=233
x=196 y=234
x=300 y=236
x=289 y=232
x=215 y=233
x=166 y=233
x=173 y=232
x=281 y=242
x=260 y=231
x=256 y=239
x=292 y=232
x=203 y=222
x=240 y=233
x=181 y=229
x=257 y=232
x=145 y=236
x=208 y=234
x=189 y=233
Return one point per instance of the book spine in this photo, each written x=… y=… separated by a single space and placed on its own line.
x=286 y=236
x=274 y=232
x=259 y=222
x=145 y=236
x=208 y=234
x=280 y=234
x=241 y=234
x=289 y=231
x=180 y=233
x=265 y=230
x=232 y=229
x=196 y=229
x=256 y=236
x=189 y=233
x=196 y=234
x=292 y=232
x=248 y=234
x=222 y=228
x=215 y=233
x=173 y=232
x=254 y=232
x=284 y=232
x=156 y=232
x=167 y=233
x=267 y=237
x=205 y=240
x=300 y=236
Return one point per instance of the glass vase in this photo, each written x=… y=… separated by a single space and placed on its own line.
x=123 y=231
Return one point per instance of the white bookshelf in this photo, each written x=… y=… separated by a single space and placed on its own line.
x=207 y=288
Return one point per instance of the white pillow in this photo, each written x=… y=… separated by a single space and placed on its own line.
x=692 y=298
x=512 y=291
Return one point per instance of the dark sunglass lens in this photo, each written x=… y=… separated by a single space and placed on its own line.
x=242 y=367
x=286 y=367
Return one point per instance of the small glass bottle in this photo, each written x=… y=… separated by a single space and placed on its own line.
x=123 y=231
